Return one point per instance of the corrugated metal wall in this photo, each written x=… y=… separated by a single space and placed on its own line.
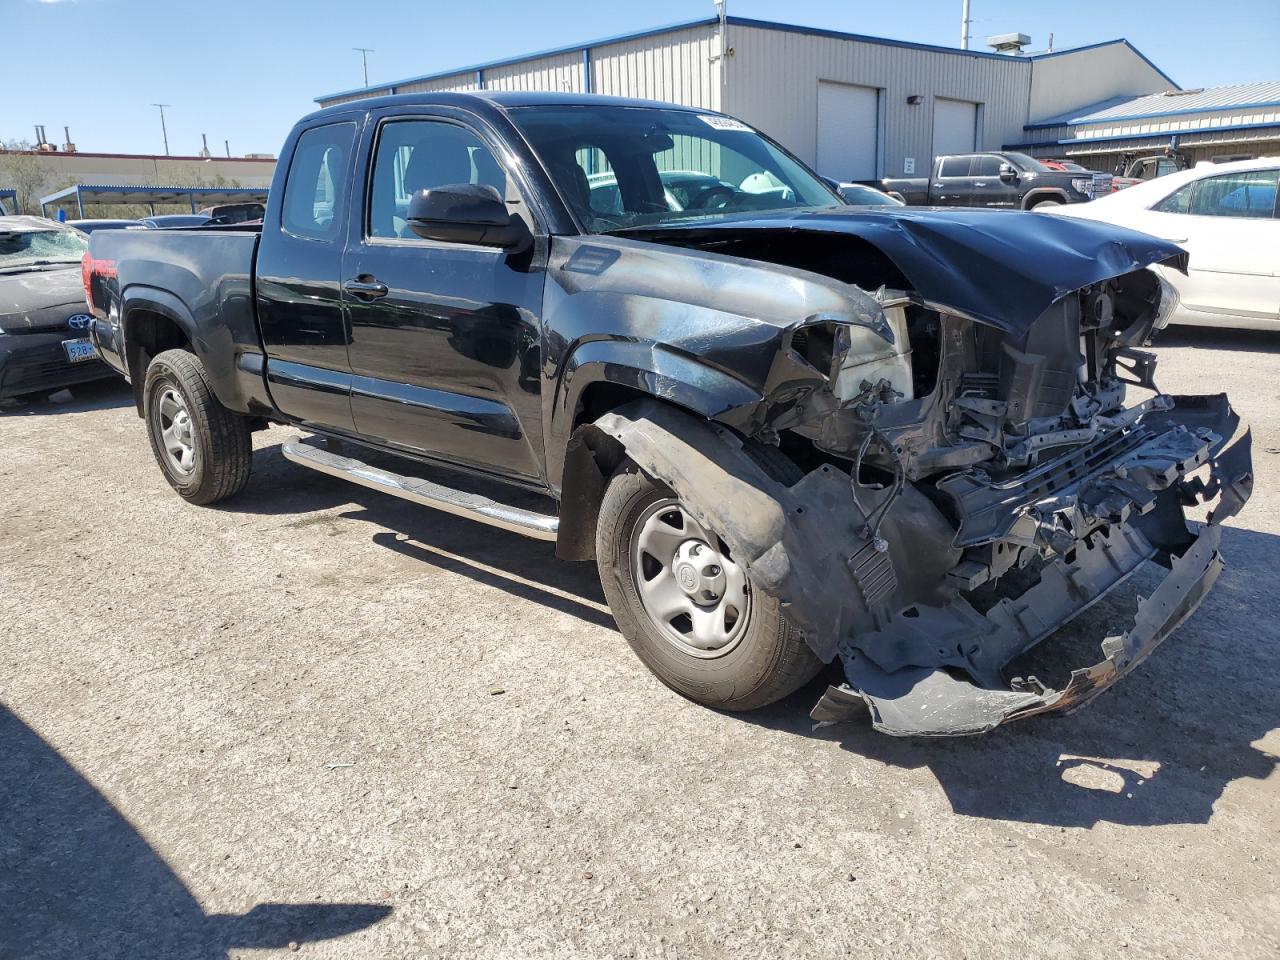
x=560 y=72
x=773 y=84
x=455 y=83
x=677 y=67
x=1078 y=78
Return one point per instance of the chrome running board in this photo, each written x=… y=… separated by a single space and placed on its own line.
x=424 y=492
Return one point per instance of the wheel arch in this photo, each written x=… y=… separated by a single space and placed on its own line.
x=1033 y=197
x=602 y=383
x=152 y=321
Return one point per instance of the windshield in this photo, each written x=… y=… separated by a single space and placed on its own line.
x=1025 y=163
x=621 y=167
x=35 y=248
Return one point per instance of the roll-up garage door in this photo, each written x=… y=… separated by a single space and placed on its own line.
x=848 y=130
x=955 y=122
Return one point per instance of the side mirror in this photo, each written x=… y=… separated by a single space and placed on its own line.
x=1007 y=173
x=467 y=213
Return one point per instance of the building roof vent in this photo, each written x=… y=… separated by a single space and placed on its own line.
x=1011 y=43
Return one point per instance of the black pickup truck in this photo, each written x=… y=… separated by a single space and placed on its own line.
x=1009 y=181
x=787 y=430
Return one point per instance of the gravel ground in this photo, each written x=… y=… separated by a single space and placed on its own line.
x=319 y=718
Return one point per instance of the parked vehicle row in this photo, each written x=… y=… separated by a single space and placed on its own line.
x=1012 y=181
x=787 y=430
x=1226 y=217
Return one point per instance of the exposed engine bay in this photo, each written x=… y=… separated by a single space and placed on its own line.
x=973 y=484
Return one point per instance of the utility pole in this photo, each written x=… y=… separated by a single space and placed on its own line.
x=964 y=25
x=227 y=144
x=364 y=59
x=164 y=130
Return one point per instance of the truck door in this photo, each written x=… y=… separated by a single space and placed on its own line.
x=299 y=294
x=951 y=185
x=989 y=190
x=445 y=337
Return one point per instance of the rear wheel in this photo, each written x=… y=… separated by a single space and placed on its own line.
x=687 y=607
x=203 y=449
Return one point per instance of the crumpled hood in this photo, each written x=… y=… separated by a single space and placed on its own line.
x=40 y=299
x=1003 y=267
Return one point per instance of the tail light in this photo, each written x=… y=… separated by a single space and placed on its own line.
x=90 y=268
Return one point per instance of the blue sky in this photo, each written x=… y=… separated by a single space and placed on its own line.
x=244 y=71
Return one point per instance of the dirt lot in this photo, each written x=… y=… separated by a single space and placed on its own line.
x=323 y=716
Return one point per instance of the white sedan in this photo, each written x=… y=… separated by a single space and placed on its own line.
x=1225 y=215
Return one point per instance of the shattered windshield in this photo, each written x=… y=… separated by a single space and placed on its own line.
x=622 y=167
x=26 y=249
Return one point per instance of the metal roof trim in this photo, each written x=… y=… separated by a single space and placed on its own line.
x=1095 y=116
x=1149 y=135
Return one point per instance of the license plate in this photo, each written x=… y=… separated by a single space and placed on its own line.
x=78 y=351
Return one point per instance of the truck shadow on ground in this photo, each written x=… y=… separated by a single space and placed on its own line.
x=1160 y=748
x=524 y=568
x=83 y=397
x=78 y=880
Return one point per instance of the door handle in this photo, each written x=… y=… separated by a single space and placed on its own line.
x=366 y=288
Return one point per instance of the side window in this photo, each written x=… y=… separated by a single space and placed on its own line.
x=316 y=185
x=1177 y=202
x=955 y=167
x=986 y=166
x=1250 y=194
x=415 y=155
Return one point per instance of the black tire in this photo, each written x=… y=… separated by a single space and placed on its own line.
x=767 y=663
x=221 y=439
x=1046 y=202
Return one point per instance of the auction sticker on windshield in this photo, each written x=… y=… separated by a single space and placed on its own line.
x=724 y=123
x=78 y=351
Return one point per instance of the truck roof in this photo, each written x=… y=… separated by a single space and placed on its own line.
x=491 y=99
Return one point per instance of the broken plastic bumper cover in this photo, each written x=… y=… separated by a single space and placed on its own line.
x=960 y=693
x=925 y=701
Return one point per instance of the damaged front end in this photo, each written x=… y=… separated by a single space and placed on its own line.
x=974 y=485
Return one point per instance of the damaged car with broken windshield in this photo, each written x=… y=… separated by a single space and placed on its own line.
x=788 y=431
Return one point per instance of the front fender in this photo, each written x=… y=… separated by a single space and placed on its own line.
x=651 y=369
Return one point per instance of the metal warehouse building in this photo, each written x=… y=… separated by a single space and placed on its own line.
x=854 y=107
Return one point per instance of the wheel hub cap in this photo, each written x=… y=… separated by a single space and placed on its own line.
x=700 y=571
x=688 y=584
x=176 y=432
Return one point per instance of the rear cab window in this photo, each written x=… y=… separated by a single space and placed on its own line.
x=315 y=191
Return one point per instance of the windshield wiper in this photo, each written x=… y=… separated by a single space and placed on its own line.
x=34 y=264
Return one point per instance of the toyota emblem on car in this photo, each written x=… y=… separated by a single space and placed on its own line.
x=79 y=321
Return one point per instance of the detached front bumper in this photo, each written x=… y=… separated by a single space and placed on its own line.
x=963 y=694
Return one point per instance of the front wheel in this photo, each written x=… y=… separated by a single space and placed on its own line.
x=686 y=607
x=204 y=449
